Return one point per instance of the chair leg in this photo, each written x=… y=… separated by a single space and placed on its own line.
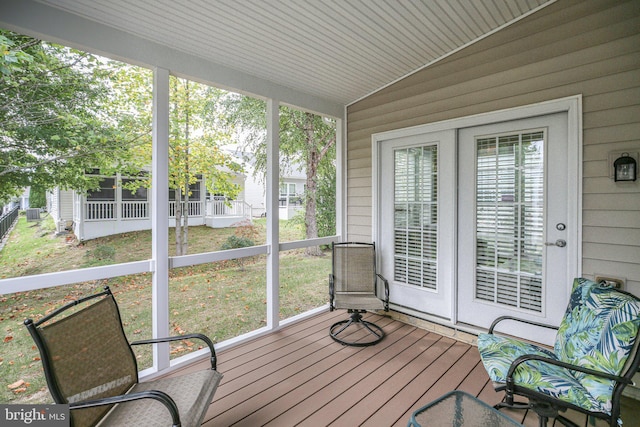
x=546 y=411
x=542 y=420
x=356 y=319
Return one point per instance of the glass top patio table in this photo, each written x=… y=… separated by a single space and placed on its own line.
x=457 y=409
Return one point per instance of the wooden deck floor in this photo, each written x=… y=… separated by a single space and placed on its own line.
x=298 y=376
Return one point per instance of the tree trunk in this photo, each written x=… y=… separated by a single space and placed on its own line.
x=310 y=216
x=178 y=215
x=313 y=159
x=185 y=226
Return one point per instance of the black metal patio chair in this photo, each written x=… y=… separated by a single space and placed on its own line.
x=353 y=285
x=594 y=358
x=89 y=364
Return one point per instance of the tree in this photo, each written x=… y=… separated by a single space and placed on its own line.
x=55 y=120
x=306 y=140
x=196 y=137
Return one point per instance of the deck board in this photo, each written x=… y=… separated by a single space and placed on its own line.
x=299 y=376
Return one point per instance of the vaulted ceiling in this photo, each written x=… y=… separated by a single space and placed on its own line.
x=338 y=50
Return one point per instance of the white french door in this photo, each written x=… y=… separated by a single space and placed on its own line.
x=479 y=217
x=417 y=224
x=513 y=223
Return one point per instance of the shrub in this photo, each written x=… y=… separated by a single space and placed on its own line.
x=235 y=242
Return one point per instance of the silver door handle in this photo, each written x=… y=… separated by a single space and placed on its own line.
x=559 y=243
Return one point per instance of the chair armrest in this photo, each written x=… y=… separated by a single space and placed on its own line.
x=386 y=291
x=160 y=396
x=183 y=337
x=569 y=366
x=526 y=357
x=501 y=318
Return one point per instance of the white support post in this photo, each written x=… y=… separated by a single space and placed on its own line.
x=341 y=186
x=273 y=213
x=160 y=217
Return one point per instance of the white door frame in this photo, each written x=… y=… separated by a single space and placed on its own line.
x=571 y=105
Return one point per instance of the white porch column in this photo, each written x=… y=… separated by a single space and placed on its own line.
x=273 y=230
x=341 y=182
x=160 y=216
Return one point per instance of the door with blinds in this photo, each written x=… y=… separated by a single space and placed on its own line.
x=416 y=225
x=512 y=223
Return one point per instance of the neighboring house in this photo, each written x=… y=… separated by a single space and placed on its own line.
x=113 y=209
x=22 y=202
x=292 y=188
x=24 y=199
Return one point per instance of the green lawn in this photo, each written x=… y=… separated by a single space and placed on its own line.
x=222 y=300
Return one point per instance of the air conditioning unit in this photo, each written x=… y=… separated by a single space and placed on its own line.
x=33 y=214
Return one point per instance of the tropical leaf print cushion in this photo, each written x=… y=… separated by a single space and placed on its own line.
x=598 y=332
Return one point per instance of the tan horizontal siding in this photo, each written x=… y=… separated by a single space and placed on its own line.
x=570 y=47
x=609 y=192
x=360 y=172
x=611 y=235
x=364 y=200
x=611 y=201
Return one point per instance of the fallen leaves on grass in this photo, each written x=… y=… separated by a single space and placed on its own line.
x=17 y=385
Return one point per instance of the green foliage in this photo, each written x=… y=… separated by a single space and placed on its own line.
x=326 y=206
x=240 y=239
x=195 y=142
x=12 y=58
x=57 y=112
x=236 y=242
x=307 y=143
x=37 y=197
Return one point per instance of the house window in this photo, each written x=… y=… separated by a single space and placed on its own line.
x=101 y=202
x=105 y=192
x=288 y=195
x=139 y=194
x=194 y=192
x=134 y=201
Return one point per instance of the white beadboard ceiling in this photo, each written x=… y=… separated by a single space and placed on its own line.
x=339 y=50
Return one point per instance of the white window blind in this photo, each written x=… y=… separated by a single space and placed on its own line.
x=509 y=219
x=416 y=216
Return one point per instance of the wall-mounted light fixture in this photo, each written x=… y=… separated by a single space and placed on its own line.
x=625 y=168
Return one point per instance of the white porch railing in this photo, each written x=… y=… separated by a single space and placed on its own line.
x=221 y=208
x=108 y=210
x=134 y=210
x=194 y=209
x=100 y=210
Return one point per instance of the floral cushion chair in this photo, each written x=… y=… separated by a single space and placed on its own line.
x=594 y=357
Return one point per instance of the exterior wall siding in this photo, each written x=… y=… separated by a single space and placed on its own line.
x=570 y=47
